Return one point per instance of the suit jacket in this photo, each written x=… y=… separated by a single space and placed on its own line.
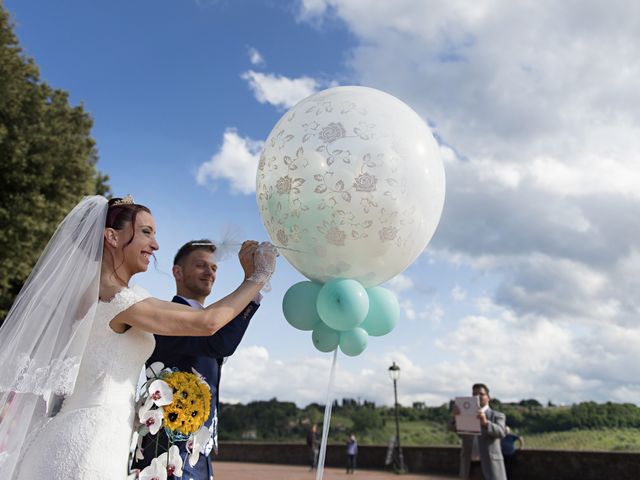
x=206 y=355
x=491 y=459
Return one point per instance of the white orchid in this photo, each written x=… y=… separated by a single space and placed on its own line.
x=154 y=369
x=155 y=471
x=160 y=393
x=195 y=443
x=152 y=419
x=174 y=463
x=145 y=407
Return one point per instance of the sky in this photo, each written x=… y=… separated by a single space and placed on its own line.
x=530 y=283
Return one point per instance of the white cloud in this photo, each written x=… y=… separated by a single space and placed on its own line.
x=406 y=306
x=278 y=90
x=255 y=57
x=484 y=304
x=540 y=359
x=458 y=293
x=236 y=161
x=432 y=313
x=310 y=8
x=537 y=107
x=312 y=11
x=536 y=359
x=400 y=283
x=249 y=375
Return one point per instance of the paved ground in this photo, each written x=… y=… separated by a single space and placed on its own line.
x=261 y=471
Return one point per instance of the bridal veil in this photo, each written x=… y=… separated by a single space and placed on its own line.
x=44 y=335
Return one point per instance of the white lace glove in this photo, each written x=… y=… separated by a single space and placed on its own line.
x=264 y=262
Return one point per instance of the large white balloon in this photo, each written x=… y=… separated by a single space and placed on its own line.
x=351 y=182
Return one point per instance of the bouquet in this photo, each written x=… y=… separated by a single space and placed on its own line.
x=180 y=403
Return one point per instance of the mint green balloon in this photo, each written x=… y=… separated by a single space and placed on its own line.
x=384 y=311
x=325 y=338
x=299 y=305
x=354 y=341
x=342 y=304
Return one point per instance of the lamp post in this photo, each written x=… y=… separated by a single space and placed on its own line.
x=394 y=374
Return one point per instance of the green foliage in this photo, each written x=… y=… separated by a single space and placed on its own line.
x=366 y=419
x=47 y=162
x=530 y=403
x=616 y=439
x=586 y=415
x=584 y=426
x=269 y=420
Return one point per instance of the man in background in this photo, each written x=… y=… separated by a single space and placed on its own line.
x=313 y=442
x=482 y=453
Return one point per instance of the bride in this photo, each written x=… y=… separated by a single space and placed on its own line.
x=77 y=331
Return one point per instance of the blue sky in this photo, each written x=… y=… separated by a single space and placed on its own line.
x=530 y=281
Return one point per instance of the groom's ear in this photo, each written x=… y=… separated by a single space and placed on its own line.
x=111 y=237
x=177 y=272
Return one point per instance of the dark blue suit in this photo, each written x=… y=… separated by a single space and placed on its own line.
x=206 y=355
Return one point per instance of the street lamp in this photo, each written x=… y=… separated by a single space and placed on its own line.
x=394 y=374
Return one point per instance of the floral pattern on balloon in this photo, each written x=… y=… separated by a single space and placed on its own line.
x=351 y=182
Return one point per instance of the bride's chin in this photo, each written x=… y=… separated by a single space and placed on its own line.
x=139 y=268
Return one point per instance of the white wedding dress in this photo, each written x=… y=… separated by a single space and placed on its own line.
x=89 y=438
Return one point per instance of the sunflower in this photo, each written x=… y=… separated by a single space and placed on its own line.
x=191 y=403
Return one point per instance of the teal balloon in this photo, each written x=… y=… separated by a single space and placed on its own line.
x=384 y=311
x=354 y=341
x=324 y=338
x=299 y=305
x=342 y=304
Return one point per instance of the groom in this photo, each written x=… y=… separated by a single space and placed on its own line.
x=194 y=271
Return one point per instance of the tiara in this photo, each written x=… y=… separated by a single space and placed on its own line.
x=128 y=200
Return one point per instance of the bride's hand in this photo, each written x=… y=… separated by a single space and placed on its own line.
x=245 y=255
x=264 y=261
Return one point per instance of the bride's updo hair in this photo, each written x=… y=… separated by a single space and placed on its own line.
x=122 y=211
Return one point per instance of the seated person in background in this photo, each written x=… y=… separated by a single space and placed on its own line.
x=509 y=451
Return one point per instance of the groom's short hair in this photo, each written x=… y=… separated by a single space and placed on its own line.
x=192 y=246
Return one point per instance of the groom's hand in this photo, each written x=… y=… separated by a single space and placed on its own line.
x=246 y=257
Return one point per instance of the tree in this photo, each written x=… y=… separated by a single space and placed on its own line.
x=366 y=419
x=47 y=162
x=530 y=403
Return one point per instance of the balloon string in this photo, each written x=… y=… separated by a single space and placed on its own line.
x=327 y=418
x=279 y=247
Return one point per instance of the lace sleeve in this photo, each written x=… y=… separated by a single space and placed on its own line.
x=125 y=298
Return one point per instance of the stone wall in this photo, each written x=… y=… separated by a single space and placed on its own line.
x=532 y=464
